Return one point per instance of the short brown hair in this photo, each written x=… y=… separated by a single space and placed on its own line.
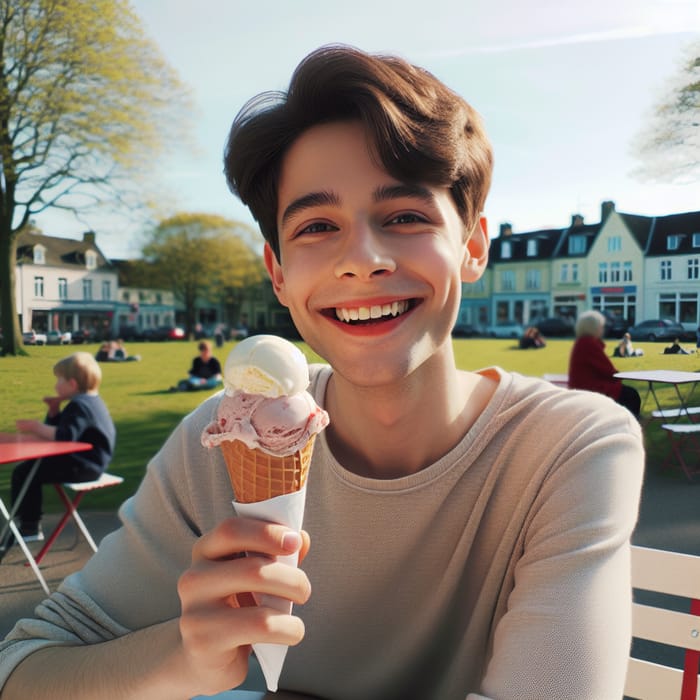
x=423 y=132
x=82 y=367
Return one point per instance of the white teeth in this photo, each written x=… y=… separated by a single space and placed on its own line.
x=364 y=313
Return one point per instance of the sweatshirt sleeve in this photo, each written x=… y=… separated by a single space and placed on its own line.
x=131 y=582
x=567 y=628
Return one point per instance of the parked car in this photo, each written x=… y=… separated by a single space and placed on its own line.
x=163 y=333
x=466 y=330
x=59 y=337
x=33 y=338
x=657 y=329
x=84 y=335
x=615 y=325
x=554 y=327
x=505 y=329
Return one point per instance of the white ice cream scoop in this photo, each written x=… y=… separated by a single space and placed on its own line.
x=266 y=365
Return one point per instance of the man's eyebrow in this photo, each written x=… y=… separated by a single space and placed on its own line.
x=387 y=192
x=313 y=199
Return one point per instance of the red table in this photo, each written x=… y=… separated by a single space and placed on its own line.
x=15 y=447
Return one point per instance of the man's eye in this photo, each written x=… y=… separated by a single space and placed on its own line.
x=407 y=218
x=317 y=227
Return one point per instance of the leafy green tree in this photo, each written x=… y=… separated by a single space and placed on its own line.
x=86 y=101
x=669 y=146
x=202 y=256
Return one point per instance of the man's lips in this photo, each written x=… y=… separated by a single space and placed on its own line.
x=372 y=312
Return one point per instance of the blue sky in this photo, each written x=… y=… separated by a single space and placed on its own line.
x=564 y=86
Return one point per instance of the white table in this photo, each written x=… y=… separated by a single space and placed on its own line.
x=669 y=377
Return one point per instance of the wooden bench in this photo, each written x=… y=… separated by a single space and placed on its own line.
x=71 y=509
x=674 y=574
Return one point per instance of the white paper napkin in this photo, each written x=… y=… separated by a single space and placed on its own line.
x=286 y=510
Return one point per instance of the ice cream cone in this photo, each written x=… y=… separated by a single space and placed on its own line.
x=256 y=475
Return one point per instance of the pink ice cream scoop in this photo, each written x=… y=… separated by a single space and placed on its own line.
x=280 y=426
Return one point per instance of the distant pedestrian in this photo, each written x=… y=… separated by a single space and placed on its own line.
x=205 y=372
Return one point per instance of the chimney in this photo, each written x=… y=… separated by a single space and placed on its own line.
x=576 y=220
x=89 y=237
x=506 y=230
x=606 y=208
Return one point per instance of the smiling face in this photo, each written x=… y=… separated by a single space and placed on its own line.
x=370 y=267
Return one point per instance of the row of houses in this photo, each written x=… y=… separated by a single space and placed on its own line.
x=69 y=285
x=636 y=267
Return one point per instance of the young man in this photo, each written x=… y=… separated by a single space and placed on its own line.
x=470 y=529
x=84 y=418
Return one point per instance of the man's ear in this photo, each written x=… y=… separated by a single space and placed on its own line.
x=477 y=252
x=274 y=270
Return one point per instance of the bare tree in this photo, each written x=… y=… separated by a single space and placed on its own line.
x=84 y=97
x=669 y=146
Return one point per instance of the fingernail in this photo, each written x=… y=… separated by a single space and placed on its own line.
x=291 y=541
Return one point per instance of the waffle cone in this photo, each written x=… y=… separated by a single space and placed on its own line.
x=256 y=475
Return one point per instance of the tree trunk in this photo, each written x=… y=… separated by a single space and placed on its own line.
x=9 y=320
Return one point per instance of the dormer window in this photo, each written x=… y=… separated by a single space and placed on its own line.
x=673 y=242
x=506 y=249
x=696 y=240
x=90 y=259
x=577 y=245
x=532 y=248
x=39 y=255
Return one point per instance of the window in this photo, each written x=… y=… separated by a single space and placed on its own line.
x=602 y=273
x=39 y=255
x=614 y=244
x=627 y=271
x=533 y=279
x=125 y=295
x=564 y=276
x=62 y=288
x=665 y=270
x=90 y=259
x=508 y=280
x=106 y=290
x=574 y=272
x=673 y=242
x=694 y=268
x=577 y=245
x=38 y=286
x=614 y=271
x=532 y=248
x=506 y=249
x=87 y=290
x=696 y=240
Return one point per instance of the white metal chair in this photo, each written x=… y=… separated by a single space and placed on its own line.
x=674 y=574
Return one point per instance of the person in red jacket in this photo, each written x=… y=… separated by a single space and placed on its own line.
x=591 y=369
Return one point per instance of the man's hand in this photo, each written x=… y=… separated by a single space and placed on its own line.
x=54 y=404
x=219 y=620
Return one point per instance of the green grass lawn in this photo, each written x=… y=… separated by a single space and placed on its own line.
x=145 y=413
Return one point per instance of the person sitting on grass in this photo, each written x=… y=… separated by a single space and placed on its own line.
x=205 y=372
x=467 y=532
x=625 y=348
x=676 y=349
x=85 y=418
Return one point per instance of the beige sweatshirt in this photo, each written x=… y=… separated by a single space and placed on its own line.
x=501 y=571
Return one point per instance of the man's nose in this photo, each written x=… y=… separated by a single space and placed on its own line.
x=365 y=252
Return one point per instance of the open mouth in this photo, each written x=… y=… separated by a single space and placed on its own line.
x=374 y=313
